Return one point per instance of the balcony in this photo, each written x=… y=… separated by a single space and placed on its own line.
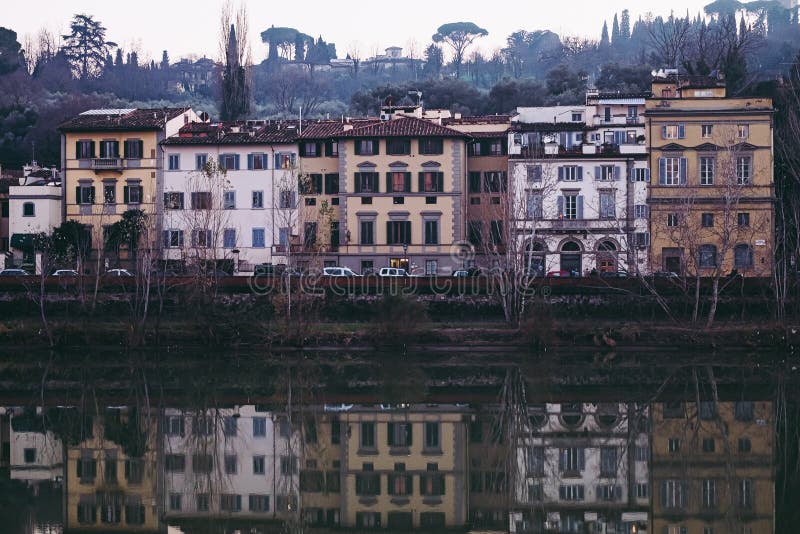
x=106 y=164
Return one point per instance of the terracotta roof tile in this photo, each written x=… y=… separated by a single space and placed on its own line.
x=137 y=119
x=235 y=133
x=478 y=119
x=403 y=127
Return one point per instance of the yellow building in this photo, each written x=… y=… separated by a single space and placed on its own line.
x=711 y=468
x=399 y=468
x=712 y=193
x=111 y=476
x=110 y=161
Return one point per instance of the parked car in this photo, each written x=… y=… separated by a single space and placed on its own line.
x=665 y=274
x=338 y=271
x=66 y=272
x=119 y=272
x=392 y=271
x=14 y=272
x=472 y=271
x=562 y=274
x=614 y=274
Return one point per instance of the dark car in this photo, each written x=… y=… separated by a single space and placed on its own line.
x=562 y=274
x=614 y=274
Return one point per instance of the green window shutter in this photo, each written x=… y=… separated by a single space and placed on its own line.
x=116 y=149
x=389 y=182
x=390 y=434
x=440 y=180
x=125 y=151
x=389 y=239
x=91 y=149
x=376 y=147
x=357 y=182
x=236 y=162
x=407 y=225
x=408 y=182
x=250 y=162
x=421 y=181
x=91 y=195
x=598 y=173
x=409 y=434
x=77 y=149
x=78 y=195
x=141 y=148
x=126 y=194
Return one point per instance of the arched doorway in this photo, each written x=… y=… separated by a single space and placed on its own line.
x=571 y=257
x=607 y=256
x=535 y=253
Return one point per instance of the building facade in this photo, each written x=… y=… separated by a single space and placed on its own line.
x=230 y=193
x=712 y=194
x=111 y=163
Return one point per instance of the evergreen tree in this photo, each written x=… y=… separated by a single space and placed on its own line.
x=604 y=35
x=625 y=25
x=164 y=60
x=615 y=30
x=235 y=88
x=118 y=58
x=85 y=47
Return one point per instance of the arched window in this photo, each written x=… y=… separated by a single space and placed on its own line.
x=29 y=209
x=743 y=256
x=570 y=246
x=707 y=256
x=571 y=414
x=607 y=246
x=607 y=414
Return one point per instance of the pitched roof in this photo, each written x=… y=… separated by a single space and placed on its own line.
x=120 y=120
x=332 y=128
x=403 y=127
x=478 y=119
x=235 y=133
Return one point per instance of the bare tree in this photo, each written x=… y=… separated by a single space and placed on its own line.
x=669 y=38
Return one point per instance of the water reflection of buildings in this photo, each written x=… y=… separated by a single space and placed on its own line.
x=613 y=467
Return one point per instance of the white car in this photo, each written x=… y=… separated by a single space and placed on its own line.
x=392 y=271
x=14 y=272
x=338 y=271
x=118 y=272
x=66 y=272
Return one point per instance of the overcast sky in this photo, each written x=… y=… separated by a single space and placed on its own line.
x=184 y=27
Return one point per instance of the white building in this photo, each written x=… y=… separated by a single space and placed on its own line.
x=583 y=467
x=240 y=462
x=34 y=206
x=242 y=216
x=36 y=454
x=579 y=182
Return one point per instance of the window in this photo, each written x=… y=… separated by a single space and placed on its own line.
x=533 y=206
x=432 y=435
x=110 y=474
x=709 y=494
x=642 y=490
x=133 y=148
x=707 y=220
x=496 y=147
x=709 y=445
x=746 y=497
x=230 y=503
x=134 y=470
x=399 y=483
x=431 y=267
x=201 y=200
x=432 y=482
x=367 y=482
x=641 y=175
x=707 y=410
x=608 y=492
x=399 y=434
x=230 y=464
x=173 y=238
x=534 y=461
x=434 y=521
x=200 y=161
x=743 y=170
x=570 y=206
x=570 y=173
x=259 y=427
x=28 y=209
x=496 y=232
x=288 y=465
x=173 y=201
x=84 y=149
x=258 y=503
x=672 y=171
x=109 y=149
x=571 y=460
x=258 y=238
x=398 y=182
x=110 y=193
x=641 y=211
x=332 y=149
x=743 y=411
x=398 y=147
x=431 y=232
x=607 y=210
x=229 y=200
x=203 y=501
x=642 y=453
x=229 y=238
x=367 y=235
x=287 y=199
x=742 y=256
x=534 y=173
x=573 y=492
x=175 y=463
x=708 y=256
x=365 y=147
x=494 y=182
x=674 y=445
x=475 y=232
x=398 y=232
x=431 y=182
x=86 y=468
x=608 y=461
x=174 y=162
x=285 y=160
x=229 y=162
x=309 y=149
x=607 y=172
x=742 y=131
x=673 y=131
x=175 y=502
x=577 y=117
x=640 y=239
x=258 y=199
x=229 y=426
x=201 y=238
x=366 y=182
x=744 y=445
x=706 y=171
x=743 y=219
x=672 y=219
x=309 y=234
x=332 y=184
x=706 y=131
x=367 y=435
x=672 y=494
x=259 y=465
x=30 y=456
x=85 y=194
x=368 y=519
x=431 y=146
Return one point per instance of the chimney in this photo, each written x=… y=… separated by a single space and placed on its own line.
x=54 y=172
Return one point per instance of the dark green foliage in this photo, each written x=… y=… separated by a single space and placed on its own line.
x=235 y=102
x=85 y=47
x=458 y=35
x=10 y=58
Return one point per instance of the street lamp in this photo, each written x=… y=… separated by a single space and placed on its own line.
x=405 y=256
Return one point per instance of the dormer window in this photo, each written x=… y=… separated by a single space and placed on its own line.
x=577 y=116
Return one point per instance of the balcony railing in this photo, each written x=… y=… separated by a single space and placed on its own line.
x=107 y=164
